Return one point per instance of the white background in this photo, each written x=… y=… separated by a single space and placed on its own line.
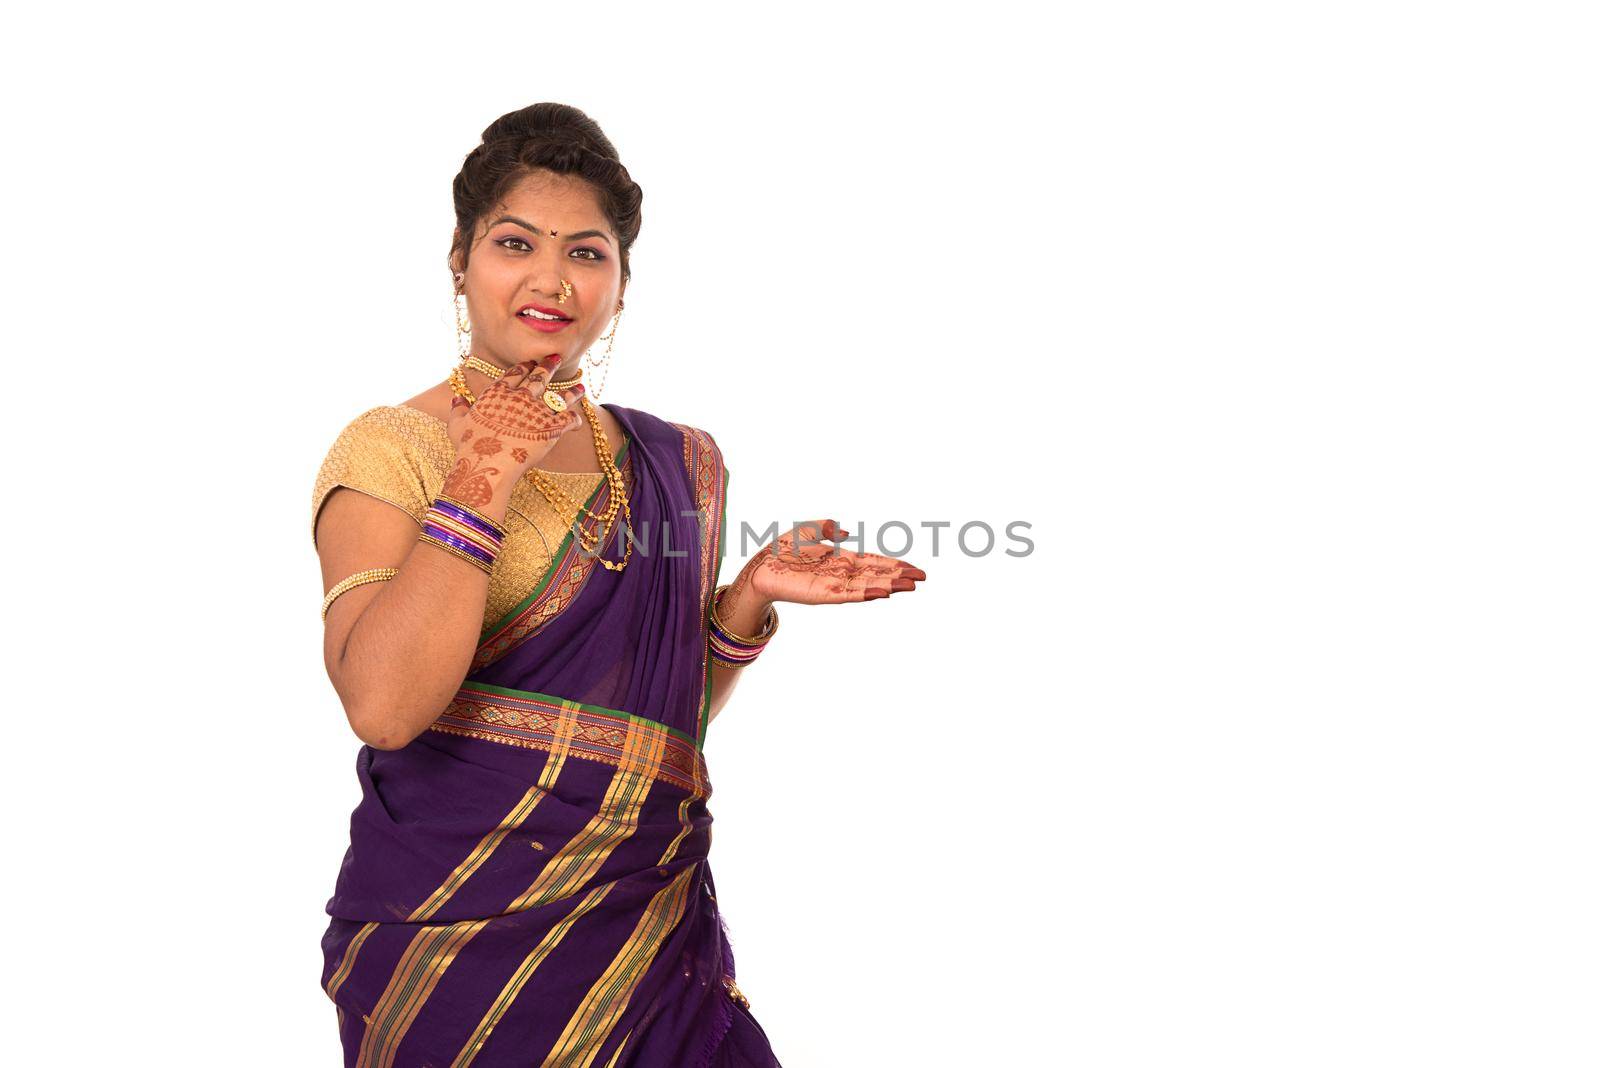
x=1277 y=323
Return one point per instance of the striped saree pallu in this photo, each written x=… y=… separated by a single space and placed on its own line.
x=527 y=881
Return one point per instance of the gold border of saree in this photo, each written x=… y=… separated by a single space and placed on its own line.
x=708 y=480
x=531 y=720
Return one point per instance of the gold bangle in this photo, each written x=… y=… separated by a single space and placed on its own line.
x=371 y=574
x=769 y=628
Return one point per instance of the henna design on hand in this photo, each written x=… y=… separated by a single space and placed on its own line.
x=514 y=407
x=508 y=420
x=821 y=574
x=469 y=482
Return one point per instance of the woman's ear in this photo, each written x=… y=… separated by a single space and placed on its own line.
x=455 y=252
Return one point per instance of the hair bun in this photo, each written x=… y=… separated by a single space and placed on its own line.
x=516 y=127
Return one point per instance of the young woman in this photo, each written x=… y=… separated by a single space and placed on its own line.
x=526 y=631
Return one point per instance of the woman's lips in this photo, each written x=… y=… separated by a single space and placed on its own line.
x=545 y=326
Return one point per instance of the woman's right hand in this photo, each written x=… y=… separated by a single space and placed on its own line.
x=507 y=431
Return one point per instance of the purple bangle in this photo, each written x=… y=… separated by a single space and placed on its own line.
x=470 y=518
x=489 y=543
x=736 y=650
x=722 y=650
x=439 y=534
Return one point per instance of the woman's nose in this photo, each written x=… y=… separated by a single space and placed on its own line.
x=545 y=275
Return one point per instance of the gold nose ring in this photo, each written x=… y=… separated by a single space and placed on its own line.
x=566 y=291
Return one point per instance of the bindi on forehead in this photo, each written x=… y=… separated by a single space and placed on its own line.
x=537 y=229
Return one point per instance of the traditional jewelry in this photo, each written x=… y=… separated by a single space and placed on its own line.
x=458 y=382
x=458 y=385
x=484 y=367
x=463 y=320
x=458 y=379
x=566 y=286
x=735 y=650
x=444 y=541
x=552 y=399
x=564 y=502
x=459 y=528
x=360 y=578
x=605 y=361
x=469 y=517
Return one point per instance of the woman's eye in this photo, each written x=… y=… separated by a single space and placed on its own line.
x=523 y=246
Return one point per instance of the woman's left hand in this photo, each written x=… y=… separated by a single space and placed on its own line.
x=821 y=574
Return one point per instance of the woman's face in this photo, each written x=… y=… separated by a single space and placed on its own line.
x=516 y=263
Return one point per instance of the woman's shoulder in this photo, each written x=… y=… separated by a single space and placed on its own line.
x=390 y=451
x=399 y=423
x=395 y=434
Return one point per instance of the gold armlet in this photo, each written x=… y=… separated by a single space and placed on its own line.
x=371 y=574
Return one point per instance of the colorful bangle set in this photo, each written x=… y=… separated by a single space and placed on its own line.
x=733 y=650
x=464 y=531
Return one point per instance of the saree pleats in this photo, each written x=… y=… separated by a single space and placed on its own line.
x=527 y=881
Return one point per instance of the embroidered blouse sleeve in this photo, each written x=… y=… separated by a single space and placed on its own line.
x=373 y=457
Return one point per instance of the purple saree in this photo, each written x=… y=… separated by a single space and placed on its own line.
x=527 y=881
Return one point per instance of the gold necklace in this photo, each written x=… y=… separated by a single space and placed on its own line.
x=559 y=499
x=485 y=366
x=458 y=382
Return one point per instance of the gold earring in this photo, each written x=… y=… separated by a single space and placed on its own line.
x=604 y=361
x=463 y=321
x=566 y=291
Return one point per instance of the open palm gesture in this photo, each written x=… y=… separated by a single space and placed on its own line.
x=795 y=569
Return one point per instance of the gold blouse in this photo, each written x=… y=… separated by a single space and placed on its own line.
x=401 y=455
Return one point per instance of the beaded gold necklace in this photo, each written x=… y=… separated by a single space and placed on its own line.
x=559 y=499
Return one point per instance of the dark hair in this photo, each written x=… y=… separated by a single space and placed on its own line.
x=551 y=137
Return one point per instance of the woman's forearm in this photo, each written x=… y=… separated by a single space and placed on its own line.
x=412 y=645
x=723 y=680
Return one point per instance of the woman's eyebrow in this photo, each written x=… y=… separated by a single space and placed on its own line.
x=541 y=230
